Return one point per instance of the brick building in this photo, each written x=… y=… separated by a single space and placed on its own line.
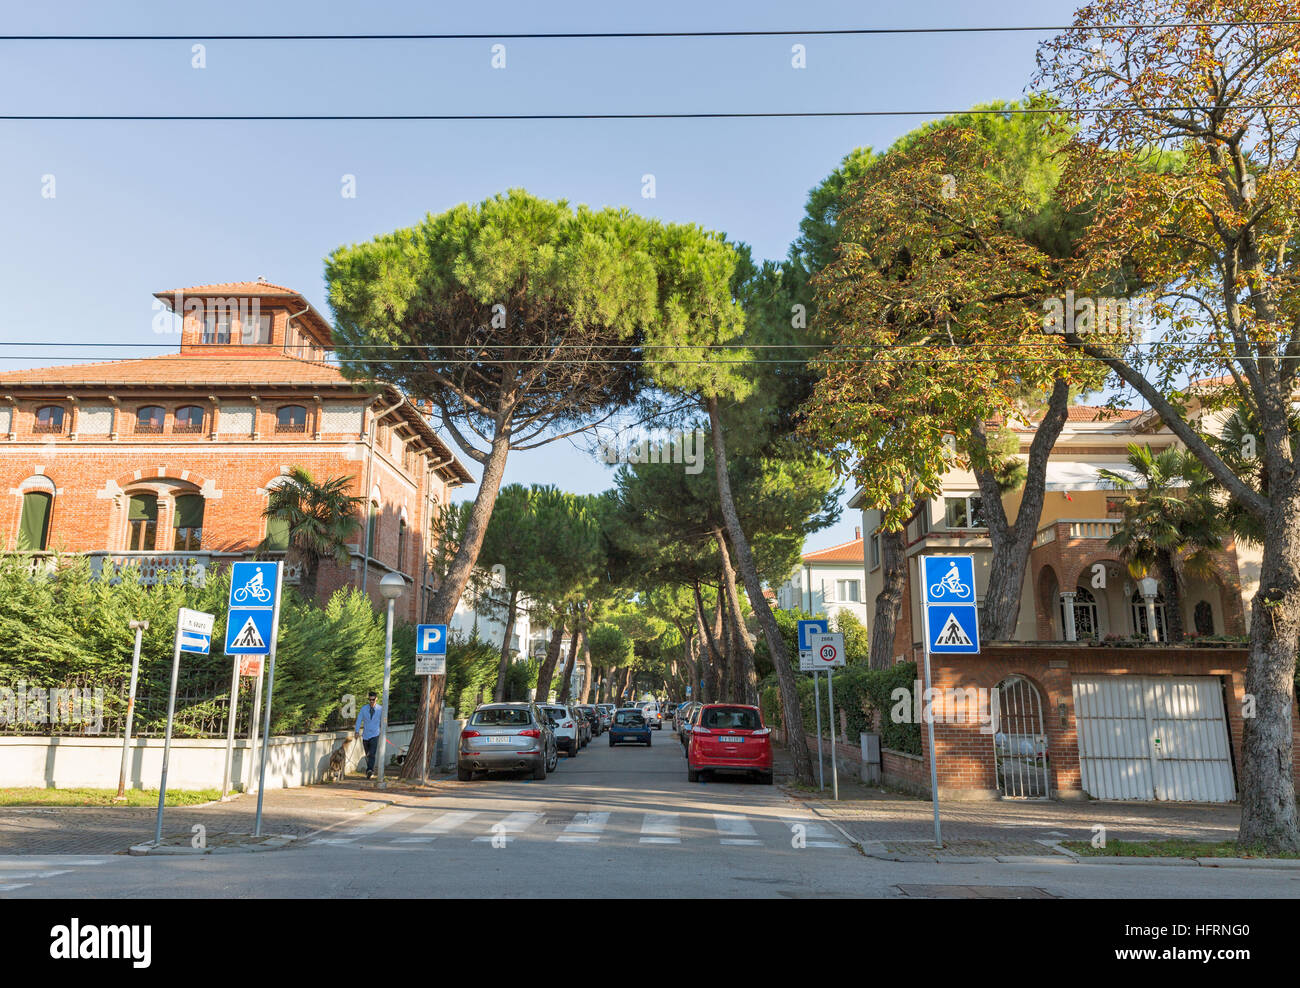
x=167 y=461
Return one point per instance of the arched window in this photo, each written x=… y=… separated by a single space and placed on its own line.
x=49 y=418
x=1203 y=618
x=149 y=419
x=187 y=520
x=291 y=418
x=34 y=528
x=1140 y=617
x=371 y=528
x=1085 y=614
x=142 y=523
x=189 y=418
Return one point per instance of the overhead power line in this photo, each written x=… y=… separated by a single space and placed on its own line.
x=720 y=115
x=614 y=35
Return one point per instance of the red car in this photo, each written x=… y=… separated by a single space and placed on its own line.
x=729 y=737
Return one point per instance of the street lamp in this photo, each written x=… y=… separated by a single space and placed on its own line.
x=139 y=627
x=1148 y=588
x=392 y=586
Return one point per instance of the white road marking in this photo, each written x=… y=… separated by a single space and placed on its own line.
x=660 y=828
x=735 y=830
x=586 y=828
x=815 y=833
x=446 y=823
x=14 y=888
x=515 y=823
x=367 y=829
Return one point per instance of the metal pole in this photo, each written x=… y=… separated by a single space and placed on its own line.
x=254 y=721
x=934 y=771
x=383 y=715
x=140 y=627
x=424 y=766
x=830 y=699
x=230 y=728
x=167 y=738
x=817 y=705
x=270 y=689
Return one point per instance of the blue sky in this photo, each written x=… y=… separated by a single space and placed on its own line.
x=145 y=206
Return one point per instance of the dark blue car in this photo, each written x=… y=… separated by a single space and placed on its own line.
x=629 y=725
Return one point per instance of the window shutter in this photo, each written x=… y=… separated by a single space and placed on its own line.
x=277 y=534
x=144 y=508
x=35 y=525
x=189 y=512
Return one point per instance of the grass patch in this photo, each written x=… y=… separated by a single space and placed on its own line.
x=1171 y=849
x=103 y=797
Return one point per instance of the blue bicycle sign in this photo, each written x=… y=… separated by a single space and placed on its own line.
x=949 y=579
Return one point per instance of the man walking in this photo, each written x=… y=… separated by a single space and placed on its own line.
x=368 y=724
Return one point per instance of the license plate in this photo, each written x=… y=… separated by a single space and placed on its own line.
x=730 y=740
x=498 y=740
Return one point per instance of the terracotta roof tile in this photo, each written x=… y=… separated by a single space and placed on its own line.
x=234 y=288
x=235 y=368
x=1099 y=413
x=849 y=552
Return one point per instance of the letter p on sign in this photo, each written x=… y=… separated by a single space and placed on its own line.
x=431 y=639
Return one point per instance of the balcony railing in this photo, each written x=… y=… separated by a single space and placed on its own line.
x=1076 y=528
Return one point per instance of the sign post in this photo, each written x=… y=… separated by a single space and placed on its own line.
x=430 y=660
x=139 y=627
x=948 y=589
x=806 y=664
x=193 y=634
x=828 y=652
x=252 y=627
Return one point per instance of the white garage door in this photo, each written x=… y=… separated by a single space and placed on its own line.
x=1153 y=737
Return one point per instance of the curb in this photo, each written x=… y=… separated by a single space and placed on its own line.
x=270 y=844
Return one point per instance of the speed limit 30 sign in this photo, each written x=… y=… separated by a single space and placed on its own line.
x=827 y=650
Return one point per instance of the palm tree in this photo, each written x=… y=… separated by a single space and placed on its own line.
x=1171 y=523
x=312 y=521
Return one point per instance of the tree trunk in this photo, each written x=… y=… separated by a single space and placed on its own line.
x=566 y=684
x=432 y=708
x=889 y=602
x=586 y=673
x=795 y=739
x=547 y=670
x=1268 y=808
x=625 y=693
x=722 y=629
x=504 y=668
x=448 y=594
x=1173 y=599
x=710 y=658
x=745 y=676
x=1013 y=543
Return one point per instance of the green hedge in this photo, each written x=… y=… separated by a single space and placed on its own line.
x=859 y=690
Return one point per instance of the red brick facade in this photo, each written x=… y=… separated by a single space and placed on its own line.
x=253 y=413
x=965 y=753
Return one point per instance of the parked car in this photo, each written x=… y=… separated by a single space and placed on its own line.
x=568 y=736
x=588 y=728
x=729 y=737
x=507 y=737
x=687 y=726
x=681 y=713
x=606 y=714
x=629 y=725
x=669 y=710
x=652 y=715
x=593 y=718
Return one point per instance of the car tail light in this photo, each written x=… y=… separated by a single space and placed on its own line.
x=567 y=723
x=762 y=732
x=700 y=730
x=467 y=733
x=530 y=734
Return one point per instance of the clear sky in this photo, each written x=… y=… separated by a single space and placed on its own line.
x=145 y=206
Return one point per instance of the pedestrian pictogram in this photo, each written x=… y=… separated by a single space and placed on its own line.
x=248 y=636
x=952 y=633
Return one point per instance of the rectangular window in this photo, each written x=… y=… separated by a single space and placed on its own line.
x=277 y=534
x=848 y=590
x=875 y=551
x=187 y=519
x=256 y=329
x=216 y=326
x=142 y=534
x=34 y=528
x=964 y=512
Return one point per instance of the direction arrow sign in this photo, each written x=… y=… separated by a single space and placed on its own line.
x=195 y=630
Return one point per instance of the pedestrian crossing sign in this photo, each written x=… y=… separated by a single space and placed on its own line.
x=953 y=628
x=248 y=632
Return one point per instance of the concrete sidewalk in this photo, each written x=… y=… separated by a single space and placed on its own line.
x=114 y=829
x=901 y=826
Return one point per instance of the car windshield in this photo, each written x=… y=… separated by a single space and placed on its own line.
x=629 y=718
x=501 y=717
x=741 y=718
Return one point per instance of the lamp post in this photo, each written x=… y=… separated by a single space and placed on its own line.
x=1147 y=587
x=391 y=587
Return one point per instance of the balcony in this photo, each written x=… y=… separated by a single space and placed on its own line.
x=1064 y=529
x=155 y=567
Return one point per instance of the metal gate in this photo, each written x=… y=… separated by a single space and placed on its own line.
x=1153 y=737
x=1019 y=742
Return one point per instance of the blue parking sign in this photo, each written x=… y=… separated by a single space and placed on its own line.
x=807 y=628
x=430 y=639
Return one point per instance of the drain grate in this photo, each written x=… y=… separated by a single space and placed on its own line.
x=975 y=892
x=562 y=819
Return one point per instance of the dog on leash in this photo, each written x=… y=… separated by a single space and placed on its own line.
x=339 y=761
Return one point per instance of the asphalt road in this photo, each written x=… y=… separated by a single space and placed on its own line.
x=621 y=823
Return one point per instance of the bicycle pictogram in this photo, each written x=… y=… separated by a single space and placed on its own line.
x=255 y=588
x=950 y=584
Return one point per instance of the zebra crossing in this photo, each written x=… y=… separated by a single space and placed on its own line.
x=414 y=828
